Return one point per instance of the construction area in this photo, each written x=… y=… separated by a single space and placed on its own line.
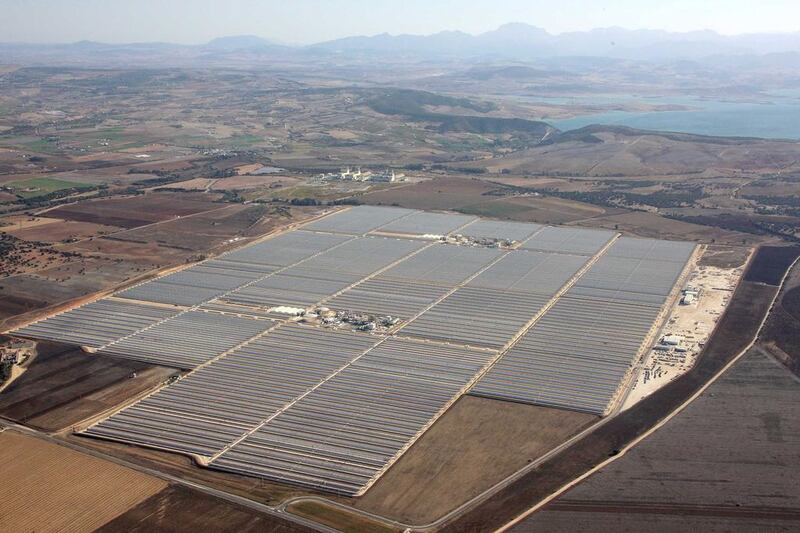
x=703 y=300
x=318 y=356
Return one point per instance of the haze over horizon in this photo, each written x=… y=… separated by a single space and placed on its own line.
x=313 y=21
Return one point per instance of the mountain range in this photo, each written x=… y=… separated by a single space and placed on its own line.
x=515 y=41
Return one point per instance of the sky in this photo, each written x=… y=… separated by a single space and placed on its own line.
x=309 y=21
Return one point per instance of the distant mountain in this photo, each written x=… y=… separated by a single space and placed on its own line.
x=515 y=41
x=523 y=41
x=241 y=42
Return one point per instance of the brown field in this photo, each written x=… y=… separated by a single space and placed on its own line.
x=544 y=210
x=438 y=193
x=207 y=230
x=726 y=463
x=63 y=385
x=130 y=212
x=724 y=256
x=253 y=182
x=140 y=253
x=338 y=519
x=782 y=332
x=645 y=224
x=180 y=465
x=477 y=443
x=179 y=509
x=46 y=487
x=62 y=231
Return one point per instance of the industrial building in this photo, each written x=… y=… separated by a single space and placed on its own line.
x=318 y=356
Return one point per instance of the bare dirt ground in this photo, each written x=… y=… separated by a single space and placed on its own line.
x=531 y=208
x=645 y=224
x=444 y=193
x=136 y=211
x=782 y=333
x=46 y=487
x=63 y=385
x=477 y=443
x=61 y=231
x=727 y=463
x=178 y=509
x=338 y=519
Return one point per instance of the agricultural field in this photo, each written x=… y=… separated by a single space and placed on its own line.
x=62 y=386
x=725 y=463
x=183 y=510
x=476 y=444
x=34 y=187
x=47 y=487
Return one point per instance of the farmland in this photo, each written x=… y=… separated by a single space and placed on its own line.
x=50 y=488
x=63 y=386
x=736 y=444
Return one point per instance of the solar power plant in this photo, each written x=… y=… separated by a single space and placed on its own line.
x=569 y=240
x=96 y=323
x=421 y=223
x=222 y=401
x=491 y=308
x=188 y=340
x=321 y=406
x=497 y=229
x=344 y=433
x=359 y=220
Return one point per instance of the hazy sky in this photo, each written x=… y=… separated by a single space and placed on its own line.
x=306 y=21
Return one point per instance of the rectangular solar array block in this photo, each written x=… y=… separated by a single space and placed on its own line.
x=577 y=355
x=96 y=323
x=574 y=357
x=497 y=303
x=497 y=229
x=188 y=340
x=634 y=270
x=221 y=402
x=358 y=220
x=569 y=240
x=422 y=223
x=211 y=279
x=343 y=434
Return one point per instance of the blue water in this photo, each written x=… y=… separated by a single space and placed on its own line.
x=775 y=116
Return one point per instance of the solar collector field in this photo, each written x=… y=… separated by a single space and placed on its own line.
x=491 y=308
x=329 y=408
x=96 y=323
x=212 y=407
x=576 y=356
x=344 y=433
x=187 y=340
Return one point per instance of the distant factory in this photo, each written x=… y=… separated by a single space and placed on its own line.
x=388 y=176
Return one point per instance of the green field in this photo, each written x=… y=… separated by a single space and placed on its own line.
x=41 y=186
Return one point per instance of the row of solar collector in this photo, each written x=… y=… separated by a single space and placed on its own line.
x=375 y=395
x=577 y=355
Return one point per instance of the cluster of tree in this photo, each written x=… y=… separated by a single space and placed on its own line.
x=612 y=198
x=47 y=199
